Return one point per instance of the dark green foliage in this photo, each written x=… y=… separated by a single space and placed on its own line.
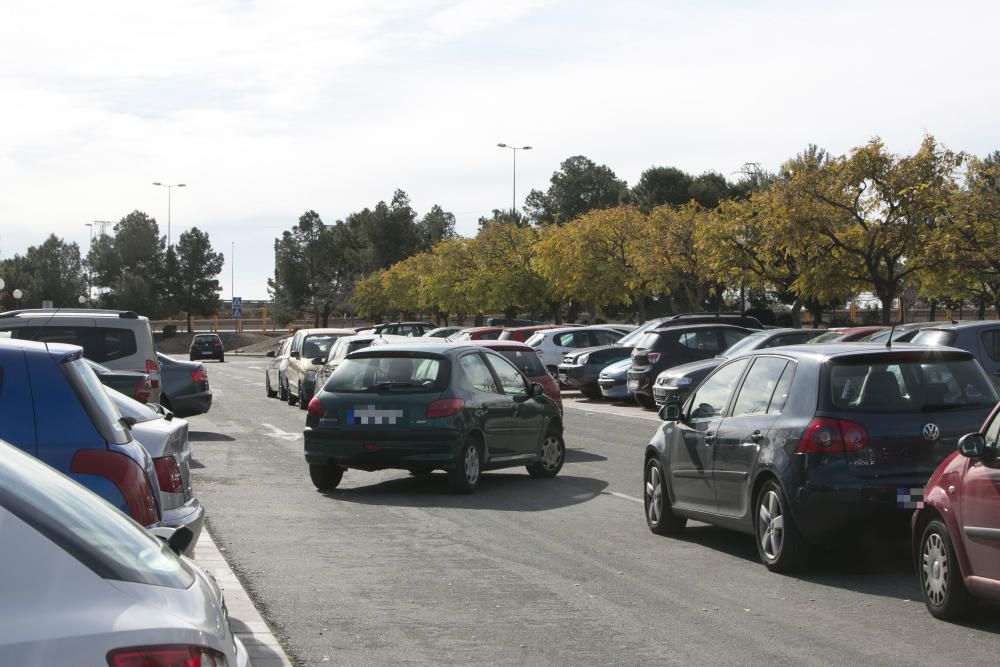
x=579 y=186
x=661 y=185
x=52 y=271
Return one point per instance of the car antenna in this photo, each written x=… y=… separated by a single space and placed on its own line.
x=888 y=343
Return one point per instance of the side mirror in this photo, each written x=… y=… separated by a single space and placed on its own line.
x=536 y=389
x=671 y=410
x=129 y=421
x=294 y=355
x=318 y=361
x=972 y=445
x=270 y=354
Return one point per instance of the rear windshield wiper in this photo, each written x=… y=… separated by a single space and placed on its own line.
x=937 y=407
x=400 y=385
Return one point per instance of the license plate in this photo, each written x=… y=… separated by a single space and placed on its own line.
x=633 y=385
x=563 y=377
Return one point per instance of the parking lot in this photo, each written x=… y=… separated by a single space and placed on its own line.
x=392 y=568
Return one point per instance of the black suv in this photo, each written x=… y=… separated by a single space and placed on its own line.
x=665 y=347
x=812 y=443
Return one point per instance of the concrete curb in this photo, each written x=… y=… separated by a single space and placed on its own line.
x=262 y=647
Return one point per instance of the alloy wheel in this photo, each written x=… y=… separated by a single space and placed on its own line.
x=654 y=495
x=935 y=569
x=551 y=452
x=472 y=465
x=771 y=528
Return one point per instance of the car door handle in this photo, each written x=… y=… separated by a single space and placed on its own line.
x=515 y=409
x=756 y=436
x=709 y=438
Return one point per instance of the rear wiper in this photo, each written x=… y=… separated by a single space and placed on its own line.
x=935 y=407
x=399 y=385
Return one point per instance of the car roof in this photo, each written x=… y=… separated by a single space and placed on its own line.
x=429 y=349
x=74 y=312
x=58 y=350
x=700 y=325
x=961 y=324
x=483 y=329
x=503 y=345
x=836 y=350
x=309 y=332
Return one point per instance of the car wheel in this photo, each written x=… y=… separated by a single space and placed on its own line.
x=282 y=392
x=553 y=455
x=222 y=359
x=191 y=357
x=464 y=475
x=303 y=403
x=267 y=387
x=660 y=516
x=325 y=476
x=645 y=401
x=941 y=580
x=291 y=396
x=779 y=544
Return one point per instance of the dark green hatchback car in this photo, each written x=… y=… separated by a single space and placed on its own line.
x=457 y=408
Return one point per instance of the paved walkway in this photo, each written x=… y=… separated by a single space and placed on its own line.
x=255 y=634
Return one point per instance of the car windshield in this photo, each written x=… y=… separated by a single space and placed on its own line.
x=389 y=372
x=935 y=337
x=527 y=361
x=84 y=525
x=317 y=345
x=744 y=345
x=907 y=384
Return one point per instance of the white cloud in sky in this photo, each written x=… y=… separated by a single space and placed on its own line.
x=267 y=109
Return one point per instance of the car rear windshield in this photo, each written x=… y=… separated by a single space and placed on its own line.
x=103 y=413
x=749 y=343
x=535 y=340
x=99 y=344
x=527 y=361
x=935 y=337
x=205 y=338
x=891 y=383
x=649 y=340
x=389 y=372
x=84 y=525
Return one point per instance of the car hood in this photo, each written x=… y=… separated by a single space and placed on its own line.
x=618 y=370
x=693 y=367
x=599 y=353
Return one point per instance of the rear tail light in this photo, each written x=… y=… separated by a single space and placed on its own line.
x=173 y=655
x=168 y=474
x=216 y=344
x=315 y=407
x=199 y=376
x=653 y=357
x=445 y=407
x=142 y=388
x=126 y=475
x=153 y=369
x=825 y=435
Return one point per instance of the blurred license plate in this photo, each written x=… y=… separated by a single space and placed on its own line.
x=563 y=376
x=633 y=385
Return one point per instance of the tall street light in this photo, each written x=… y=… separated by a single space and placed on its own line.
x=514 y=149
x=169 y=188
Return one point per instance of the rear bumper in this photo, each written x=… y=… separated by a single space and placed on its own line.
x=191 y=404
x=190 y=514
x=826 y=513
x=435 y=448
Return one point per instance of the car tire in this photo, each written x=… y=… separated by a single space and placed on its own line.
x=591 y=394
x=646 y=402
x=779 y=543
x=267 y=387
x=660 y=516
x=303 y=403
x=291 y=396
x=191 y=357
x=282 y=392
x=325 y=476
x=941 y=582
x=222 y=359
x=552 y=457
x=464 y=476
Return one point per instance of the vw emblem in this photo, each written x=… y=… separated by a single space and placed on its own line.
x=931 y=432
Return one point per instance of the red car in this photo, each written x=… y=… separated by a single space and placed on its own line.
x=526 y=359
x=956 y=531
x=476 y=333
x=522 y=334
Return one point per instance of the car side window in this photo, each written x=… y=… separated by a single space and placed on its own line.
x=603 y=338
x=780 y=396
x=510 y=378
x=702 y=340
x=991 y=341
x=564 y=339
x=477 y=374
x=712 y=397
x=758 y=387
x=730 y=337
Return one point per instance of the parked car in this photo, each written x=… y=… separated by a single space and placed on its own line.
x=460 y=408
x=136 y=385
x=84 y=585
x=528 y=363
x=981 y=338
x=736 y=319
x=441 y=332
x=504 y=322
x=274 y=373
x=165 y=437
x=53 y=407
x=305 y=357
x=475 y=333
x=411 y=329
x=682 y=380
x=808 y=445
x=207 y=346
x=901 y=333
x=118 y=339
x=521 y=334
x=186 y=391
x=663 y=348
x=846 y=334
x=613 y=379
x=553 y=344
x=581 y=369
x=956 y=530
x=343 y=347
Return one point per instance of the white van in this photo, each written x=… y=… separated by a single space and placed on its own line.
x=118 y=339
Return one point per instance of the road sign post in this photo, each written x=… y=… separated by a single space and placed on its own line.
x=237 y=307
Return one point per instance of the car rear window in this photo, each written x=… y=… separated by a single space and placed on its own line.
x=389 y=372
x=535 y=340
x=749 y=343
x=204 y=338
x=84 y=525
x=100 y=344
x=909 y=385
x=649 y=340
x=527 y=361
x=102 y=412
x=935 y=337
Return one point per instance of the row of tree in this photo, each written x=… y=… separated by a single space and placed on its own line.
x=130 y=269
x=820 y=230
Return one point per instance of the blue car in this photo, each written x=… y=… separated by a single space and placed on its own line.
x=53 y=407
x=613 y=379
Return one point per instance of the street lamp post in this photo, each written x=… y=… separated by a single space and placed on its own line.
x=169 y=188
x=514 y=149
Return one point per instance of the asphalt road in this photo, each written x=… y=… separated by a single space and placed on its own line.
x=393 y=569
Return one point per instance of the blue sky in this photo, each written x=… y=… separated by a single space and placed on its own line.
x=268 y=109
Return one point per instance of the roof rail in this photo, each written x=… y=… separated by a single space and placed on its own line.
x=682 y=316
x=124 y=314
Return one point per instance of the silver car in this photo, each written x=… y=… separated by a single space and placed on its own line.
x=85 y=585
x=165 y=437
x=275 y=382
